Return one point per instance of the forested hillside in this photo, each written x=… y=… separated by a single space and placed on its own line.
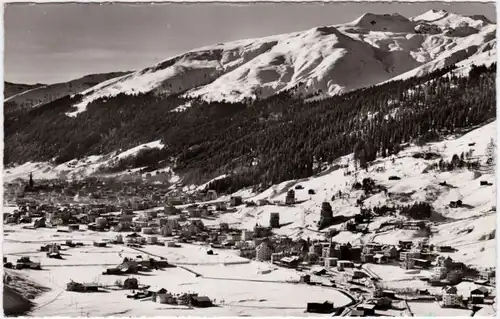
x=264 y=141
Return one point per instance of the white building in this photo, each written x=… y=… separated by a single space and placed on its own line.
x=263 y=252
x=246 y=235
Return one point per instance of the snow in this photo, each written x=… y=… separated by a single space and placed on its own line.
x=83 y=167
x=445 y=19
x=245 y=288
x=300 y=220
x=256 y=288
x=326 y=60
x=133 y=151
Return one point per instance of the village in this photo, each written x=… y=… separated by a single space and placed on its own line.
x=176 y=220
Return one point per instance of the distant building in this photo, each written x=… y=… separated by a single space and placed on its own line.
x=290 y=197
x=326 y=218
x=236 y=201
x=451 y=298
x=246 y=235
x=263 y=252
x=274 y=220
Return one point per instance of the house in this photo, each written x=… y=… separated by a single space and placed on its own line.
x=40 y=222
x=439 y=272
x=325 y=307
x=100 y=243
x=290 y=262
x=405 y=244
x=263 y=252
x=357 y=313
x=390 y=252
x=444 y=249
x=367 y=258
x=274 y=220
x=211 y=195
x=330 y=262
x=368 y=309
x=483 y=291
x=201 y=301
x=405 y=255
x=305 y=278
x=487 y=274
x=379 y=259
x=233 y=237
x=246 y=235
x=236 y=201
x=382 y=303
x=422 y=263
x=160 y=296
x=477 y=295
x=451 y=298
x=343 y=264
x=408 y=264
x=290 y=197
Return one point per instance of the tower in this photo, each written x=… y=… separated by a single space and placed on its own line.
x=31 y=183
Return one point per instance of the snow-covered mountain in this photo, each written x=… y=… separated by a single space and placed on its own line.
x=325 y=60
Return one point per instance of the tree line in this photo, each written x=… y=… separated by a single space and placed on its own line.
x=260 y=142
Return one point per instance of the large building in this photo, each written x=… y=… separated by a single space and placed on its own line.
x=274 y=220
x=263 y=252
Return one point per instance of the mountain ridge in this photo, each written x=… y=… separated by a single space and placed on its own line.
x=324 y=60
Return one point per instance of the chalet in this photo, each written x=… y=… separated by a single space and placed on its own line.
x=405 y=255
x=290 y=262
x=201 y=301
x=262 y=202
x=40 y=222
x=330 y=262
x=379 y=259
x=246 y=235
x=160 y=296
x=405 y=244
x=422 y=263
x=236 y=201
x=456 y=204
x=478 y=295
x=305 y=278
x=444 y=249
x=487 y=274
x=233 y=237
x=325 y=307
x=100 y=243
x=367 y=258
x=382 y=303
x=368 y=309
x=343 y=264
x=390 y=252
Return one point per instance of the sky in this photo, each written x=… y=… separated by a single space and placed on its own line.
x=50 y=43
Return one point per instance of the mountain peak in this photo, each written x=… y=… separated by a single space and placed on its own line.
x=394 y=22
x=445 y=19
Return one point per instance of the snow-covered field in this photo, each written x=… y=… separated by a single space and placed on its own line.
x=238 y=289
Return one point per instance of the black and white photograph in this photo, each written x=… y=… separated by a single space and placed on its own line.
x=259 y=159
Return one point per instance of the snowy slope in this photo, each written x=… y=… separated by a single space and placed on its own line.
x=324 y=60
x=466 y=228
x=78 y=168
